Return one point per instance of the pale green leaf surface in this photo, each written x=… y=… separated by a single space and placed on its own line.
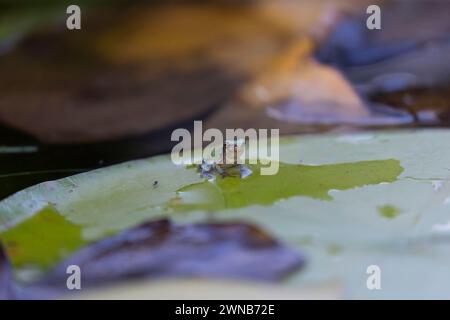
x=341 y=233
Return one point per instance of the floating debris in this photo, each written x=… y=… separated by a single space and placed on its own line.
x=161 y=249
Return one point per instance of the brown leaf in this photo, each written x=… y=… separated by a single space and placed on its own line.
x=162 y=249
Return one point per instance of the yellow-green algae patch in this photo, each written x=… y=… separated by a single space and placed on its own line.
x=291 y=180
x=388 y=211
x=42 y=240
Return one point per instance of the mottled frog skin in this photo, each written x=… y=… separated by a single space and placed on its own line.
x=227 y=167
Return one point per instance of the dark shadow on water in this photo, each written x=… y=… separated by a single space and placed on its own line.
x=39 y=162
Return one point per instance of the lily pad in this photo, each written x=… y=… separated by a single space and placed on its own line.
x=326 y=204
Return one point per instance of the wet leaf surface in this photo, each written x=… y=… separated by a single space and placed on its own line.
x=341 y=228
x=90 y=218
x=343 y=236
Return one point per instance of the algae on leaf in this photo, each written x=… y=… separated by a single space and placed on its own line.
x=388 y=211
x=42 y=240
x=291 y=180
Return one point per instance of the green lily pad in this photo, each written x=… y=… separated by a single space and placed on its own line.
x=326 y=200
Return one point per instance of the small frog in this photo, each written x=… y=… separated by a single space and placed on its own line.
x=228 y=167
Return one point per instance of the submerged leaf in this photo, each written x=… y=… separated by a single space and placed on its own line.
x=161 y=249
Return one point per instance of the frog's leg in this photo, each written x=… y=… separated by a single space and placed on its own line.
x=245 y=171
